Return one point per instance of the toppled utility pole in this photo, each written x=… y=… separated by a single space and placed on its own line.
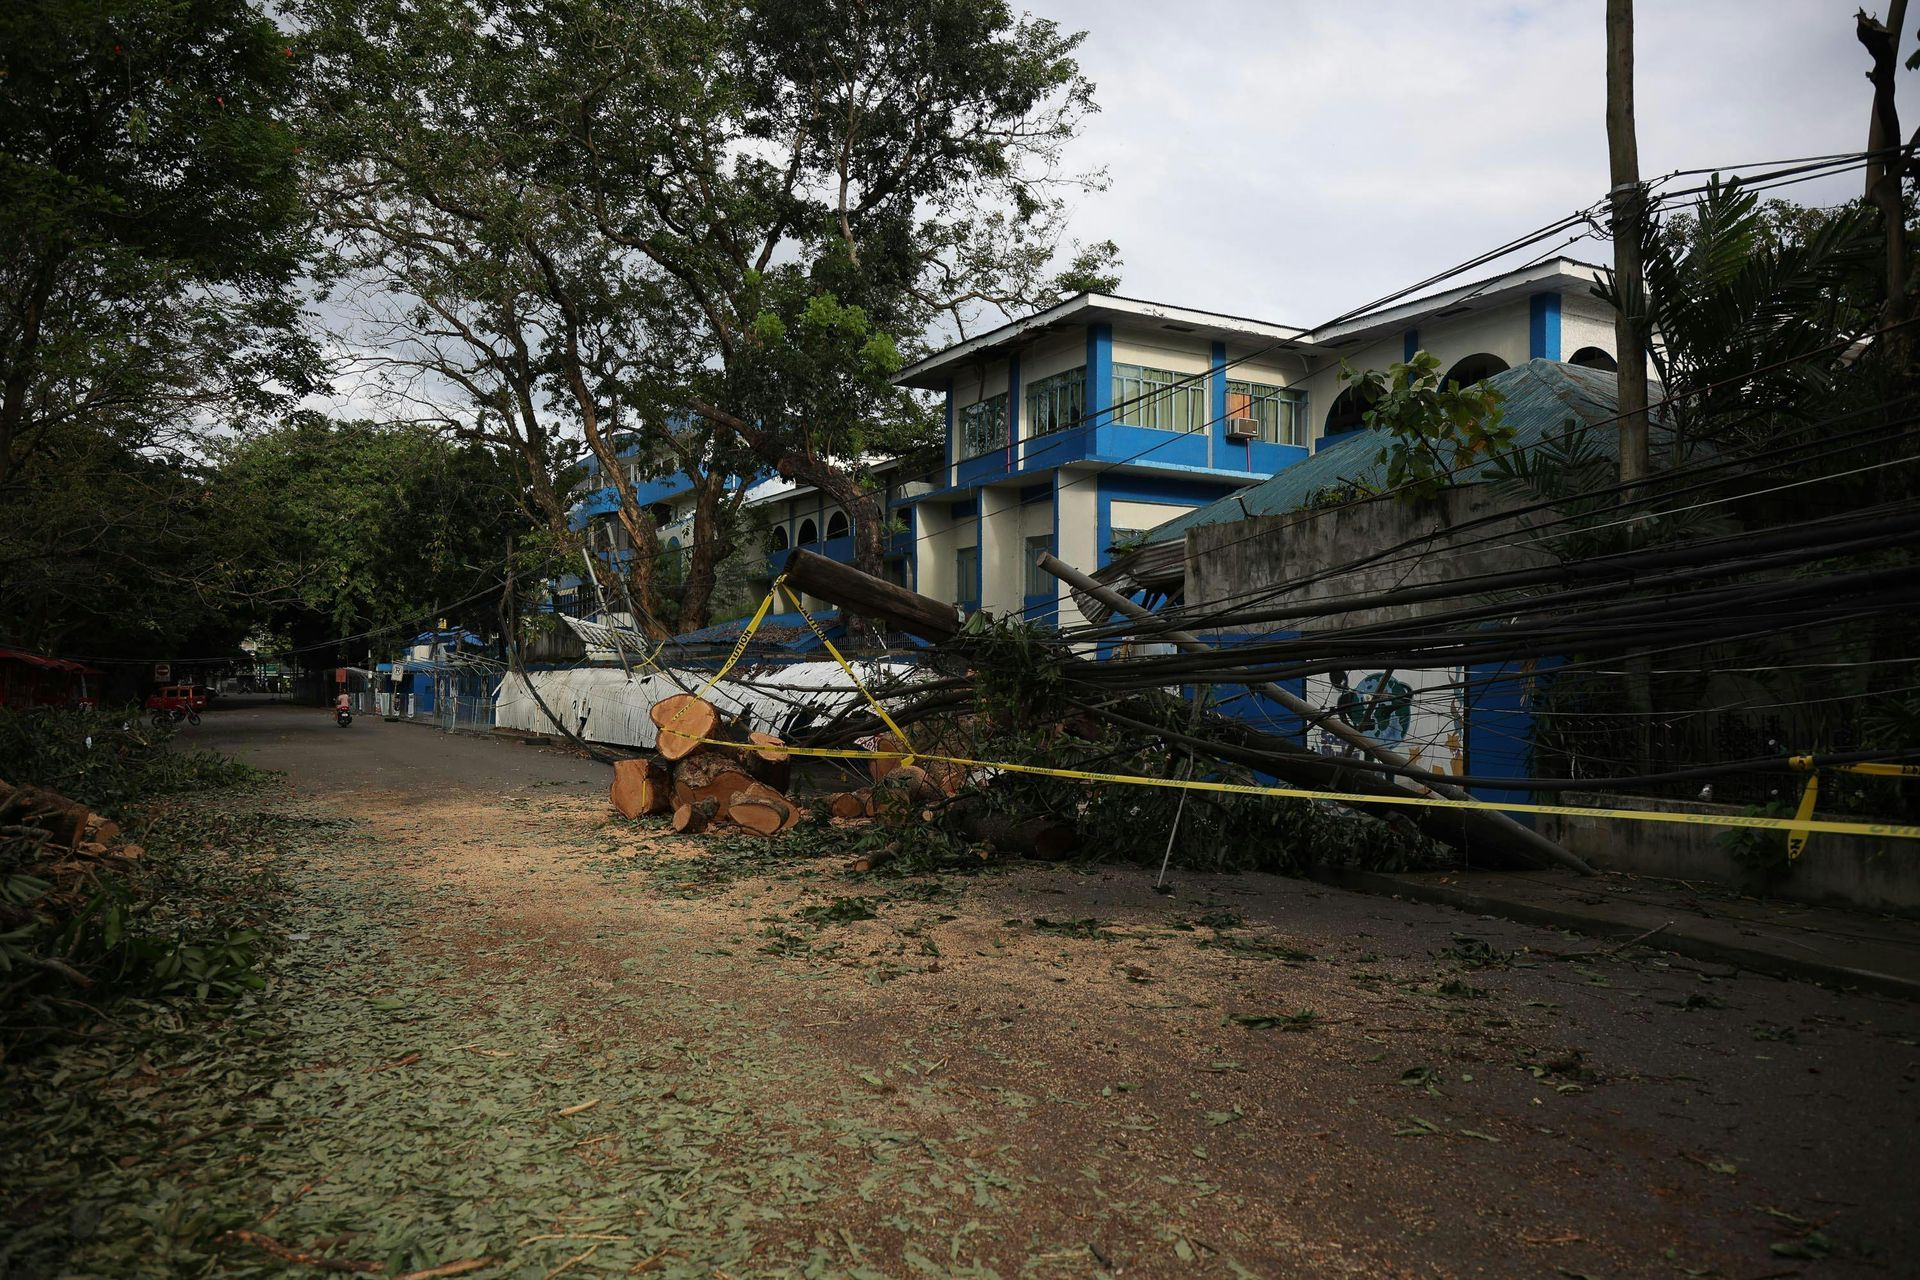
x=1509 y=829
x=1628 y=201
x=862 y=593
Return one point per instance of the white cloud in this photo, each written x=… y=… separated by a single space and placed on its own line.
x=1293 y=160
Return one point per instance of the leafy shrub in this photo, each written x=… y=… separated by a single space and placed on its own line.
x=106 y=759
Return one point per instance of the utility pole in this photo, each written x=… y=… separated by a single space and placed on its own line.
x=1629 y=213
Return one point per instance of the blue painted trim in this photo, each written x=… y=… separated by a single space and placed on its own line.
x=1543 y=326
x=1102 y=524
x=1410 y=345
x=1099 y=408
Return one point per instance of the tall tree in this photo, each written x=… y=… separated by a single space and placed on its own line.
x=841 y=183
x=355 y=527
x=150 y=218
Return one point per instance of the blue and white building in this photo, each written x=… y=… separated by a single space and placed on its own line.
x=1083 y=427
x=1086 y=425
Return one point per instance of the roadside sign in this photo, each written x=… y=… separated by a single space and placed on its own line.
x=162 y=672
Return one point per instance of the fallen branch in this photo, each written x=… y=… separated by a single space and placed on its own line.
x=267 y=1244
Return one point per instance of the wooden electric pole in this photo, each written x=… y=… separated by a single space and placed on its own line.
x=1629 y=213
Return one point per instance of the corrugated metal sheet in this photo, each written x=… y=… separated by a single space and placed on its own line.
x=602 y=705
x=1539 y=400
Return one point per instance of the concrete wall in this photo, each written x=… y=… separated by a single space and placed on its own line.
x=1856 y=871
x=1229 y=562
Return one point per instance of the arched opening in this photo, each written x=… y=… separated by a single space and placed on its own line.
x=778 y=538
x=1348 y=412
x=809 y=533
x=837 y=526
x=1474 y=368
x=1594 y=358
x=662 y=514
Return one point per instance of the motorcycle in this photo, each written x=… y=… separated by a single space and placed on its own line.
x=174 y=715
x=343 y=717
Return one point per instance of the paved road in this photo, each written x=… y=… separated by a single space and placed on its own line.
x=372 y=755
x=1055 y=1071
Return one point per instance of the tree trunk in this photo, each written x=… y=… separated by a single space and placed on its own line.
x=1629 y=205
x=710 y=547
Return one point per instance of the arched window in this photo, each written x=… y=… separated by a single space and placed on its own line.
x=778 y=538
x=1474 y=368
x=809 y=533
x=662 y=514
x=837 y=526
x=1348 y=412
x=1594 y=358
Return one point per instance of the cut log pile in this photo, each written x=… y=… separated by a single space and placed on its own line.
x=710 y=773
x=59 y=823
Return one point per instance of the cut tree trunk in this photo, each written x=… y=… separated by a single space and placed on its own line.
x=760 y=808
x=695 y=816
x=849 y=804
x=1034 y=837
x=683 y=720
x=768 y=761
x=709 y=775
x=900 y=796
x=641 y=787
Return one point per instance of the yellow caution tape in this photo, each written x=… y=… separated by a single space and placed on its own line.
x=878 y=710
x=1894 y=831
x=739 y=648
x=1797 y=837
x=1875 y=769
x=1798 y=828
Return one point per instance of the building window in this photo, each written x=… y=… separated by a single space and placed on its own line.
x=1056 y=403
x=1159 y=399
x=1281 y=413
x=1039 y=581
x=983 y=426
x=809 y=533
x=1473 y=369
x=837 y=526
x=778 y=538
x=966 y=576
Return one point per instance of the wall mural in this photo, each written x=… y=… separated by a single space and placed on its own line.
x=1416 y=712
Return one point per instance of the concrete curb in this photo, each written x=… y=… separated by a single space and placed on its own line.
x=1677 y=937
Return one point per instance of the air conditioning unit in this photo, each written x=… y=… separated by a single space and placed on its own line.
x=1243 y=428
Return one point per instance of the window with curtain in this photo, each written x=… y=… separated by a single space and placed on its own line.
x=983 y=426
x=1159 y=399
x=966 y=576
x=1057 y=403
x=1281 y=413
x=1039 y=581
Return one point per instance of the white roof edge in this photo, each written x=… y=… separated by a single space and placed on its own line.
x=1504 y=282
x=1096 y=304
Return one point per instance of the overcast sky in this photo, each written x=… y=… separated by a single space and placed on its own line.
x=1290 y=160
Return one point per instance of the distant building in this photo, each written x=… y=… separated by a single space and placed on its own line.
x=1087 y=425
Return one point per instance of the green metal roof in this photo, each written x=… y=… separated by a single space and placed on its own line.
x=1539 y=400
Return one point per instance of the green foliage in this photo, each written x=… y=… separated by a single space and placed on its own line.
x=183 y=920
x=1433 y=431
x=1742 y=306
x=352 y=526
x=1026 y=698
x=1761 y=852
x=89 y=757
